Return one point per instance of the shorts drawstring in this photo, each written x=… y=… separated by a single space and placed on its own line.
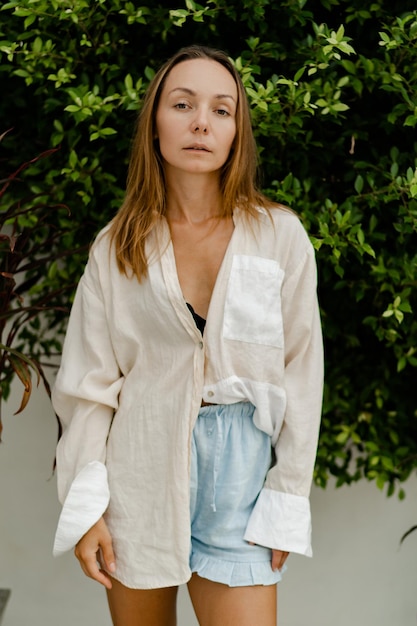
x=218 y=455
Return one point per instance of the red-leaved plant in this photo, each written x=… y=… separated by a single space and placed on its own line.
x=31 y=292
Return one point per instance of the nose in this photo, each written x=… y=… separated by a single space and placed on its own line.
x=197 y=129
x=200 y=123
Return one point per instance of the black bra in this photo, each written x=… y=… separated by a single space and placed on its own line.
x=200 y=322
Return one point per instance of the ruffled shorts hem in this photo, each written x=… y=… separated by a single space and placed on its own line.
x=235 y=573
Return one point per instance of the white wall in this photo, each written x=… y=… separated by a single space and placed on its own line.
x=359 y=575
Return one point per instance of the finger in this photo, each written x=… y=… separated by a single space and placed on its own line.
x=283 y=560
x=93 y=571
x=104 y=579
x=107 y=554
x=278 y=559
x=90 y=567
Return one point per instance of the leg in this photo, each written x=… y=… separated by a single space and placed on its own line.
x=219 y=605
x=142 y=607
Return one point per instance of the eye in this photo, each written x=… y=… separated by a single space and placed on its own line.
x=181 y=106
x=222 y=112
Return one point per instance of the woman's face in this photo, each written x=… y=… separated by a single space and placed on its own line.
x=196 y=117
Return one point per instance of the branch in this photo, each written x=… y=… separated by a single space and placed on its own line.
x=409 y=531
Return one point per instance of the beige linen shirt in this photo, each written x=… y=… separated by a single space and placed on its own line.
x=135 y=368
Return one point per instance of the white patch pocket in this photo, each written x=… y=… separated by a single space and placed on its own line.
x=253 y=301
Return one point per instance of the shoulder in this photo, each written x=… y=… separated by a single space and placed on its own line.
x=103 y=251
x=101 y=260
x=284 y=217
x=278 y=233
x=282 y=224
x=102 y=242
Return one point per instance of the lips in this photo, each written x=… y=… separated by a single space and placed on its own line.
x=200 y=147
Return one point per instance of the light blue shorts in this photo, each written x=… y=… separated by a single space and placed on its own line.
x=229 y=462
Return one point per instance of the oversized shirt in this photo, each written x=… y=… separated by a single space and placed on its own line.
x=135 y=369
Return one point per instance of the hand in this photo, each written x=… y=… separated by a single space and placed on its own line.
x=278 y=559
x=94 y=546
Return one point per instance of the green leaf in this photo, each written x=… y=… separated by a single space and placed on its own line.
x=108 y=131
x=340 y=106
x=381 y=480
x=149 y=73
x=343 y=436
x=22 y=12
x=401 y=364
x=361 y=236
x=37 y=45
x=359 y=184
x=73 y=160
x=299 y=73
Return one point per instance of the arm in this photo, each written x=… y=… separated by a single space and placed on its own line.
x=281 y=517
x=85 y=396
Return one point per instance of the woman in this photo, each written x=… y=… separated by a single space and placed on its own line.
x=188 y=447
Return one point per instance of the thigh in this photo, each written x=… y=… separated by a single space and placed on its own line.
x=219 y=605
x=142 y=607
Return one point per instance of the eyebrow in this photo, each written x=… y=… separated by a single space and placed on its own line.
x=190 y=92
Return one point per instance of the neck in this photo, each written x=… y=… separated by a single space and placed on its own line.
x=196 y=199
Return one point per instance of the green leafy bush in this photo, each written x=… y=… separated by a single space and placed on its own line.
x=333 y=93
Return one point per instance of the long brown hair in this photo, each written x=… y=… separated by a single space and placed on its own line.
x=145 y=199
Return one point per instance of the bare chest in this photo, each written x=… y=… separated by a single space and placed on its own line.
x=199 y=253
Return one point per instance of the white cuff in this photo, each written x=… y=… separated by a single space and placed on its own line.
x=85 y=503
x=281 y=521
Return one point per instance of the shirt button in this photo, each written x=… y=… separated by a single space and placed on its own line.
x=210 y=394
x=201 y=345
